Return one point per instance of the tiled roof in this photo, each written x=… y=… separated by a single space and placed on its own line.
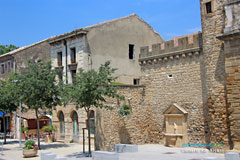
x=23 y=48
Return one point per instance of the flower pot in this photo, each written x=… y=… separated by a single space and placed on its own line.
x=29 y=153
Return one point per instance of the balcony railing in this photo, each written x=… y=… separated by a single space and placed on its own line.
x=73 y=60
x=60 y=63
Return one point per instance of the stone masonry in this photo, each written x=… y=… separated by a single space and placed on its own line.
x=231 y=40
x=214 y=83
x=173 y=74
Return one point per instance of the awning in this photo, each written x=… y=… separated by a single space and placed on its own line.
x=2 y=113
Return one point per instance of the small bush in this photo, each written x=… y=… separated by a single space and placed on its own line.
x=30 y=145
x=124 y=110
x=48 y=128
x=71 y=141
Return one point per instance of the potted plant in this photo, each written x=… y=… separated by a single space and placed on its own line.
x=30 y=149
x=48 y=129
x=25 y=133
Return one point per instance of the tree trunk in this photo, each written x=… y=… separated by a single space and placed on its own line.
x=4 y=128
x=38 y=132
x=89 y=136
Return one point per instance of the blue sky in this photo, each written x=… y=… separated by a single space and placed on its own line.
x=24 y=22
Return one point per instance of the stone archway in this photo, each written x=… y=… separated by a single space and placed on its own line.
x=61 y=130
x=75 y=126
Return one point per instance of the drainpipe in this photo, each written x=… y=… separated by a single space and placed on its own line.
x=66 y=54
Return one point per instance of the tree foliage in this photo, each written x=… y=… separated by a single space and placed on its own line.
x=91 y=88
x=38 y=88
x=7 y=48
x=8 y=99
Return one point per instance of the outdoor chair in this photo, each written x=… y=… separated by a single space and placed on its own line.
x=10 y=135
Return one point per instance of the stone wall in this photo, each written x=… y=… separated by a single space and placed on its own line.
x=233 y=88
x=67 y=136
x=214 y=81
x=173 y=74
x=231 y=41
x=137 y=128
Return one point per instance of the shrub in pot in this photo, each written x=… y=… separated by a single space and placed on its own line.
x=30 y=149
x=48 y=129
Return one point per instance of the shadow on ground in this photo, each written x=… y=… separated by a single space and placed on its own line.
x=48 y=146
x=13 y=142
x=77 y=155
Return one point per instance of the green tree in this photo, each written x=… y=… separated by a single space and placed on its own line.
x=8 y=100
x=38 y=88
x=7 y=48
x=91 y=88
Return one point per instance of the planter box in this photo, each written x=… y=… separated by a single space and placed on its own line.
x=29 y=153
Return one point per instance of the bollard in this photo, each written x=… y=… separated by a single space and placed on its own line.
x=131 y=148
x=210 y=158
x=42 y=155
x=231 y=156
x=121 y=148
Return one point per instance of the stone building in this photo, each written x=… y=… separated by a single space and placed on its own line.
x=190 y=91
x=118 y=41
x=231 y=52
x=16 y=61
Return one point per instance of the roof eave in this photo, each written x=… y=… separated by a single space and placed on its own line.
x=69 y=35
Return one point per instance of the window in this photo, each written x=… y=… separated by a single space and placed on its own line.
x=60 y=75
x=7 y=121
x=73 y=55
x=9 y=66
x=92 y=122
x=61 y=120
x=208 y=6
x=73 y=75
x=136 y=81
x=170 y=76
x=131 y=51
x=2 y=69
x=59 y=58
x=75 y=123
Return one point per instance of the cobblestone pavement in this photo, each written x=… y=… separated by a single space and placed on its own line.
x=74 y=151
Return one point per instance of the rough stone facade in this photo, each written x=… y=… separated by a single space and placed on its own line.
x=68 y=135
x=137 y=128
x=16 y=61
x=214 y=83
x=173 y=74
x=231 y=40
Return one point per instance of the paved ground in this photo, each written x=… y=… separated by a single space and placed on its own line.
x=146 y=152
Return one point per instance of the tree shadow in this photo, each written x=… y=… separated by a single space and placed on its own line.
x=124 y=135
x=48 y=146
x=79 y=155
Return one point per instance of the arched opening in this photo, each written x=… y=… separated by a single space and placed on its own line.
x=92 y=121
x=61 y=121
x=75 y=123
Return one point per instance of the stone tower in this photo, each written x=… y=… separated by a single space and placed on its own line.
x=214 y=83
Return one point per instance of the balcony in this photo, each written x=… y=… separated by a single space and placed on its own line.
x=60 y=64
